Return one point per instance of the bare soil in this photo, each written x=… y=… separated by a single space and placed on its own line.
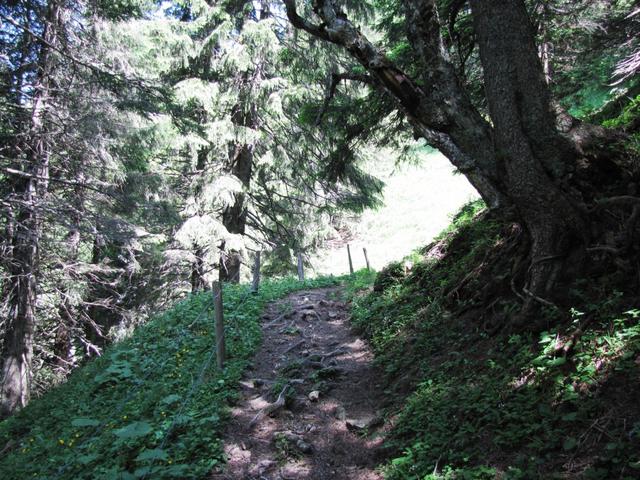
x=310 y=406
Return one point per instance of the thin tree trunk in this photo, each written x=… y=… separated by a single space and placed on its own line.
x=18 y=340
x=546 y=48
x=68 y=309
x=197 y=270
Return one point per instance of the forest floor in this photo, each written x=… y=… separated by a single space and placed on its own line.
x=310 y=405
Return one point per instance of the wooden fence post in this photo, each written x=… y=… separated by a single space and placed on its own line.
x=366 y=257
x=350 y=261
x=300 y=268
x=219 y=319
x=256 y=274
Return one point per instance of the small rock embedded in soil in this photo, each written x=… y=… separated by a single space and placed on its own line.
x=364 y=423
x=262 y=467
x=296 y=442
x=340 y=413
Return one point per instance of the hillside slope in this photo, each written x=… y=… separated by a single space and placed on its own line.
x=419 y=200
x=153 y=406
x=478 y=397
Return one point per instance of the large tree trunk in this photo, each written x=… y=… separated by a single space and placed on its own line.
x=18 y=341
x=536 y=157
x=520 y=160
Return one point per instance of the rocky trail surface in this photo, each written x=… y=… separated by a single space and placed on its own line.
x=310 y=406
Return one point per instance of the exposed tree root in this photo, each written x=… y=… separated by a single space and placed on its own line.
x=294 y=346
x=272 y=407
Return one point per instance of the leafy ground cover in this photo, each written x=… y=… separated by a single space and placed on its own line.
x=478 y=397
x=153 y=406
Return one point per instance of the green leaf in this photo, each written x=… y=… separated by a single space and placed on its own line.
x=155 y=454
x=541 y=360
x=143 y=472
x=115 y=475
x=87 y=459
x=134 y=430
x=170 y=399
x=84 y=422
x=556 y=362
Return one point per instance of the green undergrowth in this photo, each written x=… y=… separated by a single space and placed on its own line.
x=478 y=401
x=153 y=406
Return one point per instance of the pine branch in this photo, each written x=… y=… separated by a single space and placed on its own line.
x=94 y=68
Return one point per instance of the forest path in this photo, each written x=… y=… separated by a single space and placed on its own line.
x=328 y=428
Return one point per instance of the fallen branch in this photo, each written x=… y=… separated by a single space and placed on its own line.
x=290 y=381
x=287 y=327
x=274 y=321
x=314 y=313
x=605 y=248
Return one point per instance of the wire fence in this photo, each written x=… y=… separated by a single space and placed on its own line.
x=195 y=384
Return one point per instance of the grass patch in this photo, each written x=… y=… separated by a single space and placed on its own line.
x=153 y=406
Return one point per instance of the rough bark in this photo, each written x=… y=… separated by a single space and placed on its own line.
x=536 y=157
x=197 y=270
x=234 y=217
x=31 y=190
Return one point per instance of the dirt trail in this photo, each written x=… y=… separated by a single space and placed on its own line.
x=329 y=427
